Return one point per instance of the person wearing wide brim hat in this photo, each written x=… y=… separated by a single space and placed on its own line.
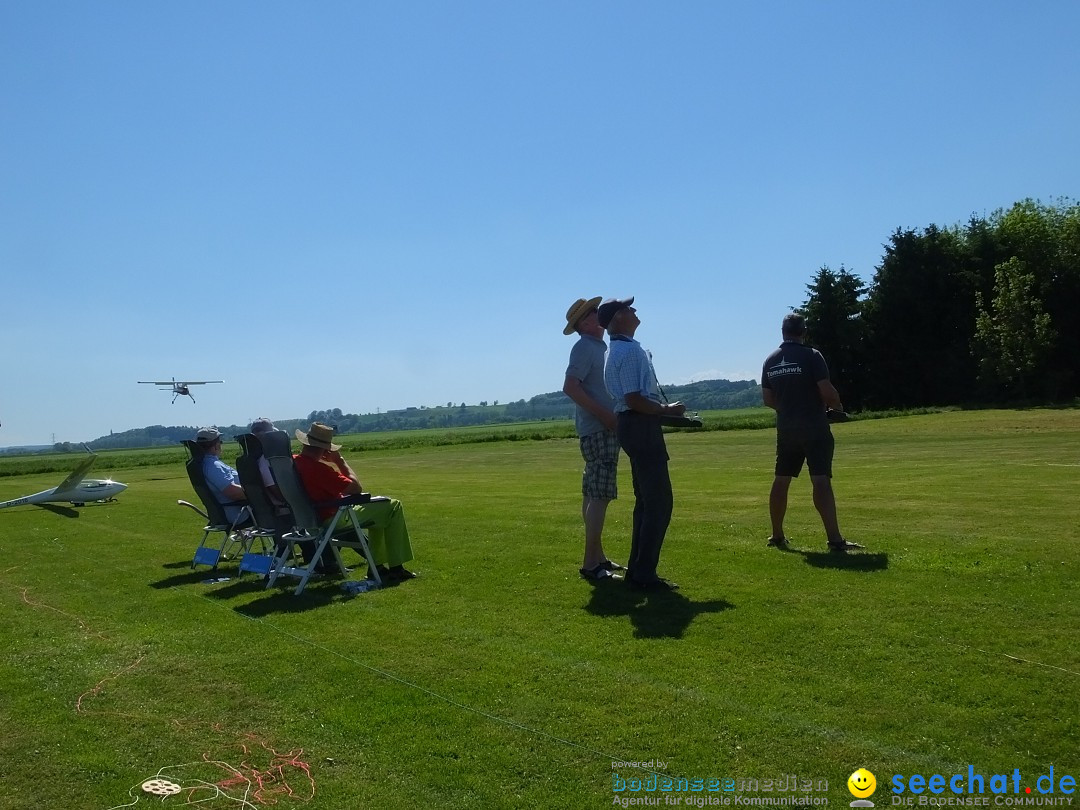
x=318 y=435
x=594 y=420
x=578 y=311
x=326 y=477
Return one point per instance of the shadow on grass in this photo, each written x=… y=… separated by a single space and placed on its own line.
x=177 y=564
x=858 y=561
x=662 y=614
x=237 y=585
x=57 y=509
x=188 y=578
x=285 y=601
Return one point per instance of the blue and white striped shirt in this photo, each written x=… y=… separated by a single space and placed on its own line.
x=628 y=370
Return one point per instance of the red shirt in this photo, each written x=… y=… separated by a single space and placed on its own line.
x=321 y=481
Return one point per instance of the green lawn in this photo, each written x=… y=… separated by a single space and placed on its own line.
x=499 y=678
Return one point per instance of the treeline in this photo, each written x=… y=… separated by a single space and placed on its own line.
x=963 y=315
x=703 y=395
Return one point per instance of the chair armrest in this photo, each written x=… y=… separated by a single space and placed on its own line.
x=348 y=500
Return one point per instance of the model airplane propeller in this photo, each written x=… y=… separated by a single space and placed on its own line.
x=179 y=388
x=75 y=489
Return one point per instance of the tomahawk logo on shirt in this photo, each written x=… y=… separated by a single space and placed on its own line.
x=783 y=368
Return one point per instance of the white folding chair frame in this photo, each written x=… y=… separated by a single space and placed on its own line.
x=278 y=450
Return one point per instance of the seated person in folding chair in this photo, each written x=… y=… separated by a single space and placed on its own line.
x=223 y=480
x=327 y=476
x=281 y=507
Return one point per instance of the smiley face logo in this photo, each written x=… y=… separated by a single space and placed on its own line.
x=862 y=783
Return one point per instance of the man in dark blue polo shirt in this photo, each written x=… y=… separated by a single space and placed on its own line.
x=795 y=383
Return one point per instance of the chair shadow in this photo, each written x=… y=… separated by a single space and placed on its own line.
x=856 y=561
x=177 y=564
x=237 y=585
x=283 y=600
x=189 y=578
x=659 y=614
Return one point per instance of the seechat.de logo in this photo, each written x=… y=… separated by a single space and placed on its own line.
x=1004 y=789
x=862 y=785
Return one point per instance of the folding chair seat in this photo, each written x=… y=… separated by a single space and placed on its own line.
x=217 y=521
x=343 y=530
x=262 y=509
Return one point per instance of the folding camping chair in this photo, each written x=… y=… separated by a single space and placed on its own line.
x=262 y=509
x=217 y=522
x=278 y=449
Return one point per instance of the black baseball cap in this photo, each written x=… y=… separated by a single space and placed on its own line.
x=610 y=307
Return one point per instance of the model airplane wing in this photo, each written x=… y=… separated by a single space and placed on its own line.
x=76 y=488
x=198 y=382
x=77 y=475
x=155 y=382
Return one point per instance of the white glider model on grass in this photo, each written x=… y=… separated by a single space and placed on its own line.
x=76 y=489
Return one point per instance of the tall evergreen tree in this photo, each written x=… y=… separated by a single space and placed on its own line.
x=920 y=317
x=833 y=311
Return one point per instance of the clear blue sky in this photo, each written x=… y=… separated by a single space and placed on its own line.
x=374 y=205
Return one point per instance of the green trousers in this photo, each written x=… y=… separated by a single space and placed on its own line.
x=388 y=534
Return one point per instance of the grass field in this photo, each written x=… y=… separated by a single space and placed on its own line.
x=499 y=678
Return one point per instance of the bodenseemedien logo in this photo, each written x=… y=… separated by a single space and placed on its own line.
x=862 y=785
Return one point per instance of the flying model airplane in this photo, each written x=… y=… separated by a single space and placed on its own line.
x=179 y=388
x=75 y=489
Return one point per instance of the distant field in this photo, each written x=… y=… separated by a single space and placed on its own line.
x=499 y=678
x=733 y=419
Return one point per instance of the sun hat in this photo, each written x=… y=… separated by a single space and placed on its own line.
x=577 y=311
x=262 y=425
x=610 y=307
x=318 y=435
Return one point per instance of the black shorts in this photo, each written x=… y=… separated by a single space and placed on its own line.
x=793 y=448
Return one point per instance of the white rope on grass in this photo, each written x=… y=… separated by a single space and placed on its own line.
x=158 y=786
x=1010 y=657
x=423 y=689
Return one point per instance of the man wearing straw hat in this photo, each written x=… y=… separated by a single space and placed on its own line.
x=595 y=423
x=327 y=476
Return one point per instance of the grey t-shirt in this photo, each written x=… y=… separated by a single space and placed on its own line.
x=793 y=372
x=587 y=366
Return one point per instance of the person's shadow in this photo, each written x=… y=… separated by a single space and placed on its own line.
x=854 y=561
x=654 y=614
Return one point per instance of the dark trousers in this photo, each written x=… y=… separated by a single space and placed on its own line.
x=642 y=439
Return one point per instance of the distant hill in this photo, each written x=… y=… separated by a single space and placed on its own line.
x=705 y=395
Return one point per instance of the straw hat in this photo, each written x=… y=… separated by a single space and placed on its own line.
x=318 y=435
x=579 y=310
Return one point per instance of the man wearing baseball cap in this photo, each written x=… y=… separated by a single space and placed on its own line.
x=631 y=380
x=223 y=480
x=594 y=420
x=326 y=476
